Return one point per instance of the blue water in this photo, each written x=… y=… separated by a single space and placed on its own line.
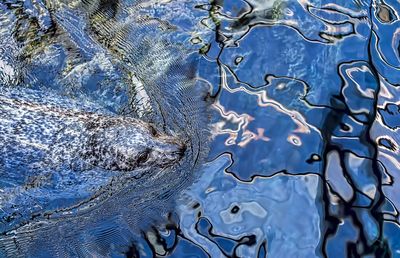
x=304 y=148
x=305 y=145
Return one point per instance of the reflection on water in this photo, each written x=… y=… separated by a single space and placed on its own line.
x=304 y=154
x=307 y=119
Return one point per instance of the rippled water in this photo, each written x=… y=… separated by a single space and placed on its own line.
x=304 y=152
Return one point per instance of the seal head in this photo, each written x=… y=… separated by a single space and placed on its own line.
x=127 y=144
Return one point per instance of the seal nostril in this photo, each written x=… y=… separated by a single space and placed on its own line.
x=153 y=131
x=182 y=149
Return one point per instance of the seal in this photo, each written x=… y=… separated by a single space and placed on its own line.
x=81 y=165
x=45 y=137
x=67 y=137
x=69 y=167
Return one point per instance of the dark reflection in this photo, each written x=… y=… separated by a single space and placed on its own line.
x=322 y=111
x=227 y=245
x=391 y=115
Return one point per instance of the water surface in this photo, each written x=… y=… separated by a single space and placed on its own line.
x=304 y=151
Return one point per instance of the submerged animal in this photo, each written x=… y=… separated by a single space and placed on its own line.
x=61 y=159
x=67 y=168
x=78 y=139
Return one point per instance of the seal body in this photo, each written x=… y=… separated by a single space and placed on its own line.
x=55 y=135
x=53 y=149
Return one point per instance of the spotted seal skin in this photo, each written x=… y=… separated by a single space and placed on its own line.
x=95 y=140
x=126 y=144
x=42 y=139
x=74 y=170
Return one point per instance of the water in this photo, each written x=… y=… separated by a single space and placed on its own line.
x=304 y=149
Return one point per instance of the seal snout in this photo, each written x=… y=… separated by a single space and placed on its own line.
x=177 y=150
x=180 y=151
x=181 y=148
x=169 y=151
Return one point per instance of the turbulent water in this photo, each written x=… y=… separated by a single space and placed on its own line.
x=304 y=150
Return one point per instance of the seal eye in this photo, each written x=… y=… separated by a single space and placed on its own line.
x=143 y=157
